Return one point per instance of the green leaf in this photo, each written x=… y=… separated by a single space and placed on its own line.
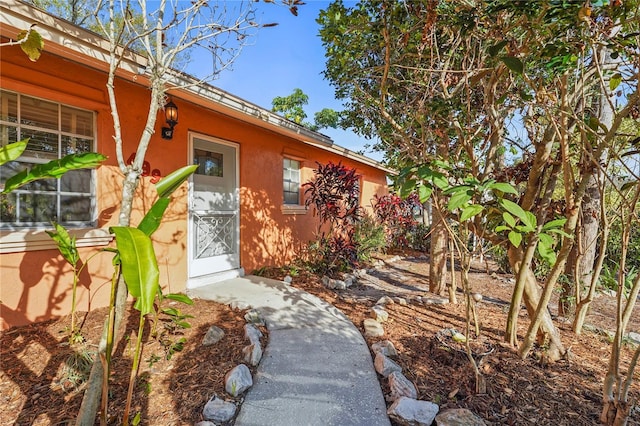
x=183 y=298
x=515 y=238
x=440 y=180
x=139 y=265
x=507 y=188
x=470 y=211
x=173 y=180
x=407 y=188
x=33 y=45
x=530 y=220
x=546 y=252
x=501 y=228
x=496 y=48
x=514 y=209
x=509 y=220
x=424 y=192
x=183 y=324
x=458 y=200
x=151 y=221
x=171 y=311
x=457 y=189
x=12 y=151
x=513 y=63
x=557 y=223
x=66 y=244
x=425 y=172
x=546 y=239
x=615 y=81
x=54 y=169
x=136 y=419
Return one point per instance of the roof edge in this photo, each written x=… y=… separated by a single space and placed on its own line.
x=85 y=45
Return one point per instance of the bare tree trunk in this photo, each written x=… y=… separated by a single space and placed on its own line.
x=438 y=253
x=531 y=298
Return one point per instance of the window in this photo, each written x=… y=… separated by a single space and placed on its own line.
x=54 y=130
x=291 y=181
x=209 y=163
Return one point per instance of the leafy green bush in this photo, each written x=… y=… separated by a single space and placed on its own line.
x=369 y=237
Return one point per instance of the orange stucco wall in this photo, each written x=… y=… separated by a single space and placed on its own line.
x=36 y=285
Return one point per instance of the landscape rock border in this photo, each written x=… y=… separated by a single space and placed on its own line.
x=218 y=410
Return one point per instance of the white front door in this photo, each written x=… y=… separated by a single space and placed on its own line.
x=214 y=228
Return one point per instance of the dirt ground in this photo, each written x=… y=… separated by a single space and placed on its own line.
x=41 y=375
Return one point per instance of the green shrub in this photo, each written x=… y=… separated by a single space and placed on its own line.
x=369 y=237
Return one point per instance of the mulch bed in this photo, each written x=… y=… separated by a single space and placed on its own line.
x=37 y=387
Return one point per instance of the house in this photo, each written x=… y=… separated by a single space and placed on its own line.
x=243 y=208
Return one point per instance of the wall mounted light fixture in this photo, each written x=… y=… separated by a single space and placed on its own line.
x=171 y=116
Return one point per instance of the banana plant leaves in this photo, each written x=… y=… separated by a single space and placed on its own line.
x=12 y=151
x=151 y=221
x=139 y=265
x=54 y=169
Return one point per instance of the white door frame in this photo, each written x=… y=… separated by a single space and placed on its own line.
x=216 y=268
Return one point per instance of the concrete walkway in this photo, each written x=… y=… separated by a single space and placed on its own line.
x=316 y=369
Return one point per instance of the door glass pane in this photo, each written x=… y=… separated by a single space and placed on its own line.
x=209 y=163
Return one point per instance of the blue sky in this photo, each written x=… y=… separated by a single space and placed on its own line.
x=282 y=58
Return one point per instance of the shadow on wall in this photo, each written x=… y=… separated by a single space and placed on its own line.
x=45 y=287
x=170 y=240
x=265 y=241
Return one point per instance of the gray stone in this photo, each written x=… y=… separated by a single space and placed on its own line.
x=635 y=337
x=205 y=423
x=400 y=301
x=385 y=300
x=435 y=301
x=411 y=412
x=349 y=280
x=213 y=336
x=238 y=380
x=332 y=284
x=339 y=285
x=219 y=410
x=372 y=328
x=458 y=417
x=385 y=366
x=379 y=314
x=254 y=317
x=288 y=279
x=401 y=386
x=360 y=273
x=252 y=333
x=384 y=347
x=241 y=306
x=252 y=354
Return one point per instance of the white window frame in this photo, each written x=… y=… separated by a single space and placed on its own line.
x=22 y=128
x=289 y=207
